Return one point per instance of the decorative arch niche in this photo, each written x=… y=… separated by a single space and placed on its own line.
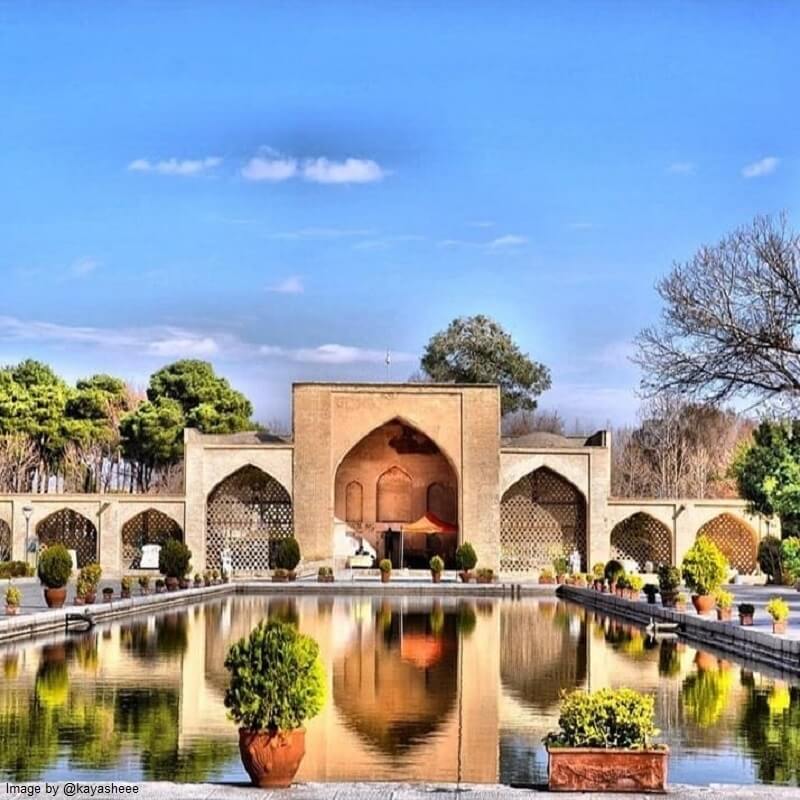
x=147 y=527
x=354 y=503
x=71 y=529
x=394 y=501
x=737 y=540
x=642 y=538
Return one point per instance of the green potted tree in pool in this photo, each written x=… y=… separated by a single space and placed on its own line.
x=704 y=570
x=277 y=683
x=54 y=570
x=174 y=562
x=604 y=743
x=466 y=560
x=287 y=557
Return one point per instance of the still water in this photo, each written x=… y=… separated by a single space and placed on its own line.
x=417 y=689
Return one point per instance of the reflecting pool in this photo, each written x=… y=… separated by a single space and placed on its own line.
x=418 y=689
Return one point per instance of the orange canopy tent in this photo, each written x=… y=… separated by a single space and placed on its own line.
x=429 y=523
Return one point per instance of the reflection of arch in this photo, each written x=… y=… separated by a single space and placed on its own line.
x=354 y=502
x=71 y=529
x=441 y=501
x=247 y=512
x=737 y=540
x=542 y=515
x=394 y=496
x=642 y=538
x=147 y=527
x=5 y=541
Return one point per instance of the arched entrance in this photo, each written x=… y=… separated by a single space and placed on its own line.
x=737 y=540
x=541 y=516
x=641 y=538
x=147 y=527
x=247 y=513
x=71 y=529
x=386 y=481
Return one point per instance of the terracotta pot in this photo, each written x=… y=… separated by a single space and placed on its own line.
x=12 y=611
x=779 y=627
x=486 y=580
x=668 y=599
x=436 y=577
x=703 y=603
x=279 y=578
x=386 y=577
x=680 y=606
x=183 y=583
x=292 y=576
x=172 y=584
x=595 y=769
x=108 y=597
x=547 y=581
x=324 y=578
x=55 y=598
x=465 y=576
x=272 y=759
x=724 y=614
x=560 y=579
x=125 y=593
x=745 y=619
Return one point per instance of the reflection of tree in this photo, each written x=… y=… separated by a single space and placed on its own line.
x=52 y=683
x=89 y=731
x=669 y=659
x=28 y=739
x=705 y=695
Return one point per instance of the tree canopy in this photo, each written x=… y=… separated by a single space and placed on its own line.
x=478 y=350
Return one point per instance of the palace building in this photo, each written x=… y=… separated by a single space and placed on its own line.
x=397 y=470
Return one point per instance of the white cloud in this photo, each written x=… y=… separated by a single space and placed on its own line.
x=83 y=267
x=351 y=170
x=269 y=168
x=179 y=345
x=681 y=168
x=510 y=240
x=481 y=223
x=291 y=285
x=766 y=166
x=175 y=166
x=322 y=233
x=336 y=354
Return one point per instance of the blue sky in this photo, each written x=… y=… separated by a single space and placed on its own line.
x=287 y=189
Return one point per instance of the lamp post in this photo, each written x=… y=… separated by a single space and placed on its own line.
x=28 y=513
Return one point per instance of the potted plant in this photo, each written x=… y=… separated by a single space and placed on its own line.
x=207 y=577
x=546 y=576
x=560 y=565
x=746 y=613
x=325 y=575
x=579 y=580
x=621 y=586
x=280 y=575
x=466 y=560
x=215 y=576
x=636 y=584
x=437 y=567
x=724 y=604
x=160 y=586
x=55 y=569
x=277 y=683
x=125 y=586
x=198 y=580
x=144 y=584
x=680 y=602
x=88 y=580
x=612 y=572
x=287 y=556
x=669 y=584
x=484 y=575
x=778 y=609
x=13 y=600
x=604 y=744
x=174 y=561
x=183 y=582
x=650 y=591
x=385 y=566
x=108 y=594
x=704 y=569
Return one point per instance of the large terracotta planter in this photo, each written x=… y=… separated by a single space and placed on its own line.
x=271 y=759
x=55 y=598
x=704 y=603
x=597 y=769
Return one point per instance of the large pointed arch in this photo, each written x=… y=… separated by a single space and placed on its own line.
x=76 y=532
x=150 y=526
x=642 y=538
x=247 y=513
x=737 y=540
x=542 y=515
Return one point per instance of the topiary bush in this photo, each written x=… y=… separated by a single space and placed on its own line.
x=613 y=570
x=770 y=560
x=89 y=576
x=436 y=564
x=55 y=566
x=174 y=559
x=385 y=565
x=606 y=718
x=13 y=597
x=669 y=578
x=466 y=558
x=277 y=679
x=704 y=567
x=778 y=609
x=15 y=569
x=287 y=554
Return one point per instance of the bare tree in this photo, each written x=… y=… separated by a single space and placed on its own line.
x=19 y=459
x=521 y=423
x=730 y=320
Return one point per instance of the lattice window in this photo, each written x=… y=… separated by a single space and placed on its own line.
x=249 y=512
x=147 y=527
x=641 y=538
x=737 y=540
x=541 y=516
x=442 y=502
x=354 y=502
x=394 y=496
x=71 y=529
x=5 y=541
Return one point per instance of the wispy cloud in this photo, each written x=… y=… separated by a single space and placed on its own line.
x=273 y=167
x=385 y=242
x=322 y=233
x=175 y=166
x=765 y=166
x=83 y=267
x=335 y=354
x=269 y=168
x=290 y=285
x=509 y=240
x=682 y=168
x=481 y=223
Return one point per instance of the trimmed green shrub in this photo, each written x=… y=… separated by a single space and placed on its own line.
x=436 y=564
x=287 y=554
x=55 y=566
x=748 y=609
x=636 y=582
x=277 y=679
x=778 y=609
x=669 y=578
x=704 y=567
x=598 y=571
x=89 y=576
x=560 y=565
x=724 y=599
x=385 y=565
x=15 y=569
x=485 y=574
x=325 y=572
x=613 y=570
x=466 y=558
x=13 y=597
x=770 y=559
x=126 y=584
x=623 y=582
x=606 y=718
x=790 y=557
x=174 y=559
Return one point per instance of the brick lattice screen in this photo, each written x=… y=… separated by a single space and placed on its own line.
x=5 y=541
x=642 y=538
x=71 y=529
x=148 y=527
x=248 y=512
x=541 y=516
x=737 y=540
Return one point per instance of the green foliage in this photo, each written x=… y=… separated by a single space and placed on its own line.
x=636 y=582
x=790 y=557
x=620 y=718
x=478 y=350
x=560 y=565
x=669 y=578
x=437 y=564
x=153 y=433
x=15 y=569
x=466 y=558
x=613 y=571
x=748 y=609
x=485 y=574
x=706 y=695
x=325 y=572
x=778 y=609
x=126 y=584
x=385 y=565
x=287 y=554
x=13 y=596
x=90 y=575
x=55 y=566
x=769 y=558
x=598 y=571
x=277 y=679
x=623 y=582
x=144 y=581
x=174 y=559
x=724 y=599
x=704 y=567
